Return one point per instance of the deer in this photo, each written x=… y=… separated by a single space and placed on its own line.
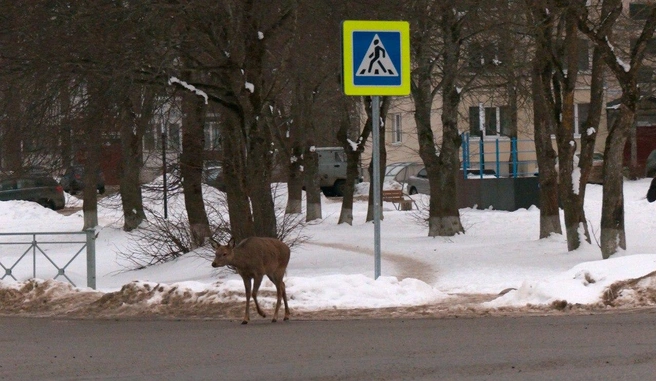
x=253 y=258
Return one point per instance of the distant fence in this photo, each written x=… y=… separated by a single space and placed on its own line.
x=37 y=248
x=499 y=157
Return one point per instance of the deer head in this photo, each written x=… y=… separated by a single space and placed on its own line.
x=223 y=254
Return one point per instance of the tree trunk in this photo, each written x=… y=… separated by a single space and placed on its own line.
x=569 y=196
x=353 y=155
x=444 y=219
x=234 y=166
x=543 y=121
x=296 y=134
x=370 y=169
x=295 y=181
x=130 y=189
x=132 y=131
x=260 y=162
x=96 y=117
x=352 y=173
x=613 y=235
x=191 y=167
x=384 y=107
x=589 y=133
x=441 y=167
x=312 y=189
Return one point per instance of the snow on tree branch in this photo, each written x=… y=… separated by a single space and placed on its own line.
x=189 y=87
x=623 y=64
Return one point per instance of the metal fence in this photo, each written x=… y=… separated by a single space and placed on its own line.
x=500 y=157
x=36 y=248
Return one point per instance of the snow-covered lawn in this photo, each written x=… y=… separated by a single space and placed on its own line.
x=333 y=270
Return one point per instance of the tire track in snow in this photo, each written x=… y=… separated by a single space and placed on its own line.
x=407 y=267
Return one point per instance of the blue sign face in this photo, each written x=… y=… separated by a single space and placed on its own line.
x=377 y=58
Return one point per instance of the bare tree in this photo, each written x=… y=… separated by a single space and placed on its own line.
x=566 y=77
x=613 y=234
x=438 y=40
x=353 y=147
x=543 y=117
x=136 y=118
x=191 y=165
x=96 y=114
x=237 y=48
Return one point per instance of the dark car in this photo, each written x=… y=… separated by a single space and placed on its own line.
x=41 y=189
x=73 y=180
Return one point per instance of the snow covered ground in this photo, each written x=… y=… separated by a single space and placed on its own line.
x=499 y=264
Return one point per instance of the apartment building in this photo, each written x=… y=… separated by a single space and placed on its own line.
x=486 y=116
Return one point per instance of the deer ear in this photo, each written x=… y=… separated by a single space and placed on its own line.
x=232 y=242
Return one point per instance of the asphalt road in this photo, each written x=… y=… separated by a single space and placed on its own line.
x=617 y=346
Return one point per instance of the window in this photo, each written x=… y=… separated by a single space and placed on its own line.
x=651 y=45
x=212 y=135
x=397 y=128
x=25 y=183
x=496 y=121
x=483 y=55
x=581 y=111
x=149 y=138
x=174 y=136
x=584 y=54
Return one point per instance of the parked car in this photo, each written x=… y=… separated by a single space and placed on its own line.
x=39 y=188
x=401 y=172
x=73 y=180
x=419 y=183
x=332 y=171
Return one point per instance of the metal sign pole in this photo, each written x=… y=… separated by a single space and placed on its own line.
x=164 y=184
x=375 y=129
x=376 y=62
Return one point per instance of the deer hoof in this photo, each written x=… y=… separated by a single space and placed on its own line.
x=286 y=318
x=274 y=320
x=244 y=322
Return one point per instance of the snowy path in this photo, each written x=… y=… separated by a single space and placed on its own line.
x=407 y=267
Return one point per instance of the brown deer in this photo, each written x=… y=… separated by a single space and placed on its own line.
x=253 y=258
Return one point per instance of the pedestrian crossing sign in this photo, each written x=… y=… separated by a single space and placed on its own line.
x=376 y=57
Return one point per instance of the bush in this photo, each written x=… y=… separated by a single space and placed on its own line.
x=160 y=240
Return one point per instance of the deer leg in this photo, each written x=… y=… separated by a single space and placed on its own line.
x=284 y=298
x=247 y=285
x=279 y=295
x=256 y=286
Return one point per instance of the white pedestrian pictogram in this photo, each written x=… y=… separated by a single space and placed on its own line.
x=376 y=62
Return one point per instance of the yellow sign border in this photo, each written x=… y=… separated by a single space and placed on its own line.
x=348 y=71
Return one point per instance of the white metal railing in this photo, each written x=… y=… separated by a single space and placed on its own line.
x=36 y=248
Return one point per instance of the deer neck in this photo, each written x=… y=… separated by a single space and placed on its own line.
x=237 y=261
